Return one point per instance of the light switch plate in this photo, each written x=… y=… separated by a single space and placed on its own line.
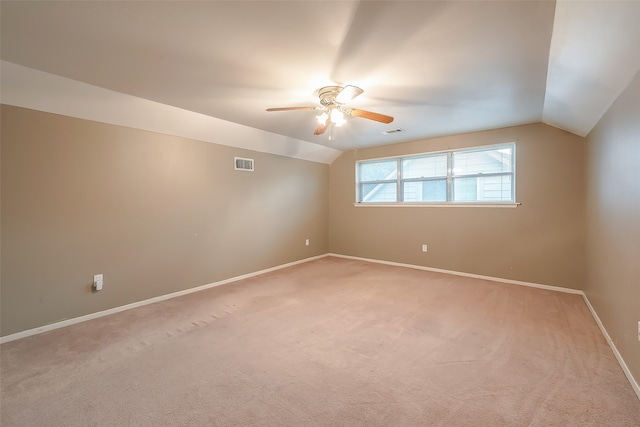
x=98 y=280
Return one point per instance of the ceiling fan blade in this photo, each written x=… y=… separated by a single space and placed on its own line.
x=321 y=128
x=290 y=108
x=371 y=116
x=348 y=93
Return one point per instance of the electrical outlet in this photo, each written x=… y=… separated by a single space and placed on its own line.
x=306 y=242
x=424 y=248
x=638 y=331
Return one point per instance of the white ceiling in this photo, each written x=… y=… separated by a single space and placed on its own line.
x=438 y=67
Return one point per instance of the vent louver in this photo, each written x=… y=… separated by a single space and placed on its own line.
x=242 y=164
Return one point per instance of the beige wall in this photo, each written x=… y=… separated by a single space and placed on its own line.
x=154 y=213
x=613 y=223
x=541 y=241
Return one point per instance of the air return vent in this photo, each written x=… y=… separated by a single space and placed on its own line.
x=242 y=164
x=389 y=132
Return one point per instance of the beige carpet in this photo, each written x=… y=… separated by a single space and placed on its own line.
x=332 y=342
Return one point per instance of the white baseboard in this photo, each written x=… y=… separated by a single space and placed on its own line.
x=69 y=322
x=616 y=353
x=459 y=273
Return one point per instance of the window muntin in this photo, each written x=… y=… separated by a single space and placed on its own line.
x=479 y=175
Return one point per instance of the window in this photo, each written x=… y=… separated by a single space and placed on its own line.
x=479 y=175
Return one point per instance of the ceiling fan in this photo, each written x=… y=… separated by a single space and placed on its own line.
x=332 y=106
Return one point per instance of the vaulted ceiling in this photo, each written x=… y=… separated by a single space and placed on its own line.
x=438 y=67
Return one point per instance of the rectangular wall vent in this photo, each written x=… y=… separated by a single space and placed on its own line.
x=389 y=132
x=242 y=164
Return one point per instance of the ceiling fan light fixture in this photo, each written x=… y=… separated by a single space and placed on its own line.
x=322 y=118
x=337 y=117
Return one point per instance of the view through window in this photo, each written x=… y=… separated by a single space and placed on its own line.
x=478 y=175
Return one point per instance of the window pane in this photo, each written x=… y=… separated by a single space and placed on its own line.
x=495 y=160
x=425 y=167
x=372 y=193
x=483 y=188
x=379 y=171
x=425 y=191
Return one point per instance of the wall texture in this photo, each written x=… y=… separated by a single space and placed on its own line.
x=613 y=223
x=541 y=241
x=154 y=213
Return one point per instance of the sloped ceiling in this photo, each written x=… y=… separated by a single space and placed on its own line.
x=438 y=67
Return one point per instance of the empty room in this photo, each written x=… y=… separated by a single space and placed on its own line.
x=323 y=213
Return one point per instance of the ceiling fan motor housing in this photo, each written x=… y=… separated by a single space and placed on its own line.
x=328 y=95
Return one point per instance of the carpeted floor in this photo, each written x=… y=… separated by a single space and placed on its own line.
x=331 y=342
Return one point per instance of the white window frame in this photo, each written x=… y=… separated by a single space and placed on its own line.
x=399 y=180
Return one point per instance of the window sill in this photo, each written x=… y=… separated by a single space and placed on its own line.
x=437 y=205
